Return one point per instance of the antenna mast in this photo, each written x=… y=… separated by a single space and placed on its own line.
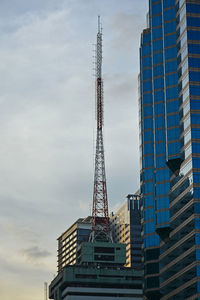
x=100 y=220
x=45 y=291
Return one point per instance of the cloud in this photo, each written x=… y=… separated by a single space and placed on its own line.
x=19 y=233
x=127 y=27
x=21 y=279
x=47 y=126
x=35 y=253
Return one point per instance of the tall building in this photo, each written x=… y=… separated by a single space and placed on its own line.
x=126 y=229
x=170 y=149
x=95 y=283
x=99 y=272
x=93 y=270
x=69 y=241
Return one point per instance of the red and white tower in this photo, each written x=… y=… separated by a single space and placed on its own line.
x=100 y=219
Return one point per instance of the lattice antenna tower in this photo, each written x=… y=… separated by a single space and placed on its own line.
x=100 y=219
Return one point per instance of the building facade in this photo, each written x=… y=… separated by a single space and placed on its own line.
x=169 y=109
x=69 y=241
x=98 y=273
x=83 y=283
x=126 y=229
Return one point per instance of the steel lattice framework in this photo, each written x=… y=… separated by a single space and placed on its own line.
x=100 y=218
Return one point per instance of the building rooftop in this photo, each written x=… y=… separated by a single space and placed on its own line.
x=84 y=276
x=86 y=220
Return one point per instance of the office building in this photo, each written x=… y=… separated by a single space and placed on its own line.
x=69 y=241
x=126 y=229
x=98 y=274
x=170 y=149
x=83 y=283
x=93 y=270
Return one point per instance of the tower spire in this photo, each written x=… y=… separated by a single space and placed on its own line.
x=100 y=219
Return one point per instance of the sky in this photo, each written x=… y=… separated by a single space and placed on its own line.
x=47 y=125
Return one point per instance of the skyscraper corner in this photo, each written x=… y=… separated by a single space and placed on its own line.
x=169 y=102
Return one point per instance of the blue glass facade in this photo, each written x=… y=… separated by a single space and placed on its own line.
x=169 y=104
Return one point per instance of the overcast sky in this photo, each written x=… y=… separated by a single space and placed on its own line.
x=47 y=125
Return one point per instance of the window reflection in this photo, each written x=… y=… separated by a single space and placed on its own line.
x=186 y=108
x=186 y=168
x=188 y=151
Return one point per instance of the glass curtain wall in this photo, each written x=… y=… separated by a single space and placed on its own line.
x=170 y=148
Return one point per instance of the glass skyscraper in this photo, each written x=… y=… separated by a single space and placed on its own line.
x=169 y=108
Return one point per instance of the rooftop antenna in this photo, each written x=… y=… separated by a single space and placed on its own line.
x=100 y=219
x=45 y=291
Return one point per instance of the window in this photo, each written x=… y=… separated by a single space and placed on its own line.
x=170 y=40
x=162 y=189
x=159 y=135
x=172 y=106
x=171 y=53
x=162 y=175
x=157 y=45
x=160 y=162
x=156 y=20
x=157 y=70
x=149 y=228
x=171 y=79
x=171 y=93
x=104 y=257
x=162 y=203
x=173 y=120
x=157 y=57
x=149 y=201
x=170 y=27
x=173 y=134
x=149 y=214
x=173 y=148
x=159 y=122
x=160 y=148
x=169 y=14
x=156 y=8
x=104 y=250
x=157 y=33
x=188 y=151
x=162 y=217
x=151 y=241
x=158 y=95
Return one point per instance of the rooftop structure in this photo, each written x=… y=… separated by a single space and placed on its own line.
x=101 y=254
x=95 y=283
x=126 y=229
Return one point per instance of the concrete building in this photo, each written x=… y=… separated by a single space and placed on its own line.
x=126 y=228
x=170 y=149
x=96 y=270
x=99 y=274
x=85 y=283
x=69 y=241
